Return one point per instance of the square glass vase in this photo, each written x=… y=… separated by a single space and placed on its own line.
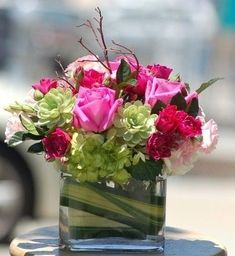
x=106 y=217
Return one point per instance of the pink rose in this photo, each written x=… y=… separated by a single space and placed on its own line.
x=159 y=71
x=210 y=136
x=191 y=96
x=45 y=85
x=161 y=89
x=91 y=78
x=56 y=144
x=95 y=108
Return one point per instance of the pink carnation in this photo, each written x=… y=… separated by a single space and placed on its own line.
x=138 y=91
x=182 y=159
x=56 y=144
x=95 y=108
x=45 y=85
x=210 y=136
x=13 y=125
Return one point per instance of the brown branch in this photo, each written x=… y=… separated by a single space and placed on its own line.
x=100 y=30
x=65 y=80
x=58 y=61
x=92 y=53
x=130 y=52
x=90 y=26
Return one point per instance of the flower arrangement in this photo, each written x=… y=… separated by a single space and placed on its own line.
x=110 y=120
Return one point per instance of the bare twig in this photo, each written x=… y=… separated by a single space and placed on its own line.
x=58 y=60
x=130 y=52
x=90 y=26
x=100 y=30
x=65 y=80
x=92 y=53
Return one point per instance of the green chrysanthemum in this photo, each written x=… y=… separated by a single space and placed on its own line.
x=134 y=123
x=92 y=159
x=55 y=109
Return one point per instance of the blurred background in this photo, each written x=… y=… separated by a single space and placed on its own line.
x=196 y=38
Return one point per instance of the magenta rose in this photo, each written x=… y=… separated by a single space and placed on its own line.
x=159 y=145
x=45 y=85
x=56 y=144
x=91 y=78
x=163 y=90
x=159 y=71
x=95 y=108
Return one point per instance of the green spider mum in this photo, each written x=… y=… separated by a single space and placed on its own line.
x=91 y=158
x=134 y=123
x=55 y=108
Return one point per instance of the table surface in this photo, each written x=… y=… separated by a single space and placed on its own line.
x=44 y=241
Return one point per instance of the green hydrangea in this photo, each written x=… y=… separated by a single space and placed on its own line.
x=55 y=108
x=134 y=123
x=91 y=158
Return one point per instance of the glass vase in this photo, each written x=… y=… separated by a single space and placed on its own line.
x=106 y=217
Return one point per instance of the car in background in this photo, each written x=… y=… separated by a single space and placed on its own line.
x=161 y=31
x=29 y=44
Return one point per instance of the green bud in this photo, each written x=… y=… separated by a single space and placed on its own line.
x=38 y=95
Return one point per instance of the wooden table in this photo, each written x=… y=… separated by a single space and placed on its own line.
x=44 y=241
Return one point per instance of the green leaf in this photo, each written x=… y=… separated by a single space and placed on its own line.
x=16 y=139
x=36 y=148
x=21 y=136
x=207 y=84
x=159 y=105
x=130 y=82
x=28 y=124
x=147 y=170
x=193 y=107
x=123 y=72
x=187 y=87
x=179 y=101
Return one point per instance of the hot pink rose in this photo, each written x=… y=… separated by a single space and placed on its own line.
x=56 y=144
x=210 y=136
x=45 y=85
x=161 y=89
x=95 y=108
x=91 y=78
x=160 y=71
